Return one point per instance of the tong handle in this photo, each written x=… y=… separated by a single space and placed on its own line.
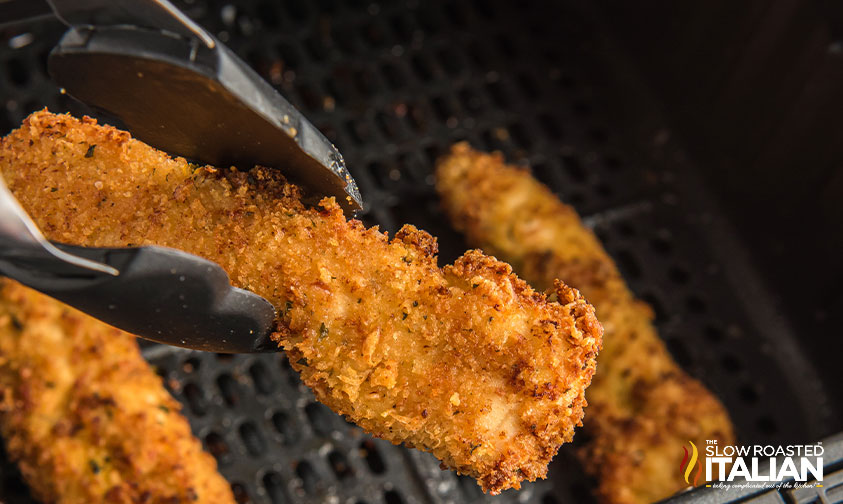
x=163 y=295
x=152 y=14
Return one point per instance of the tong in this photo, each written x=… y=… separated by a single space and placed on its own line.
x=176 y=87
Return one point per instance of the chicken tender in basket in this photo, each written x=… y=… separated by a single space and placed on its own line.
x=643 y=408
x=86 y=418
x=466 y=361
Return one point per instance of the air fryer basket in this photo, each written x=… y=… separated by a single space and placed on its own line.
x=393 y=84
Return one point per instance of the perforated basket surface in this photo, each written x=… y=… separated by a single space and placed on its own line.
x=393 y=85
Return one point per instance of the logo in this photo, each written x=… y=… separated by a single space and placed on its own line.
x=687 y=466
x=753 y=466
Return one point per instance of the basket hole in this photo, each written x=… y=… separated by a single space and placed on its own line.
x=713 y=333
x=293 y=379
x=471 y=100
x=522 y=139
x=528 y=86
x=395 y=78
x=317 y=48
x=365 y=82
x=388 y=124
x=428 y=19
x=309 y=95
x=307 y=475
x=550 y=126
x=656 y=305
x=267 y=14
x=162 y=373
x=577 y=198
x=748 y=394
x=392 y=497
x=274 y=486
x=252 y=439
x=196 y=400
x=228 y=389
x=767 y=425
x=320 y=418
x=450 y=61
x=456 y=13
x=379 y=172
x=359 y=131
x=543 y=173
x=374 y=35
x=336 y=91
x=16 y=70
x=499 y=93
x=422 y=67
x=628 y=264
x=484 y=8
x=328 y=6
x=217 y=446
x=679 y=352
x=432 y=153
x=626 y=229
x=479 y=56
x=444 y=108
x=731 y=364
x=402 y=28
x=470 y=489
x=612 y=163
x=549 y=499
x=410 y=163
x=495 y=139
x=599 y=135
x=373 y=458
x=678 y=275
x=416 y=118
x=567 y=82
x=290 y=59
x=241 y=493
x=695 y=304
x=263 y=381
x=344 y=39
x=339 y=464
x=581 y=108
x=12 y=484
x=284 y=363
x=575 y=170
x=191 y=365
x=283 y=424
x=604 y=190
x=507 y=47
x=662 y=242
x=297 y=10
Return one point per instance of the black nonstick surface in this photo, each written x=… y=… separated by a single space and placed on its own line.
x=393 y=84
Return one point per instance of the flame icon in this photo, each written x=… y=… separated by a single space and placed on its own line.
x=686 y=466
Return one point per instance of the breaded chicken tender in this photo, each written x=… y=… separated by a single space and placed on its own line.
x=86 y=418
x=467 y=361
x=642 y=407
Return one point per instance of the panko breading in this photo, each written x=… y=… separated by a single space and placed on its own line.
x=642 y=407
x=467 y=362
x=86 y=418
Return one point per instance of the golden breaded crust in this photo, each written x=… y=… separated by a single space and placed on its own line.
x=643 y=407
x=467 y=361
x=86 y=418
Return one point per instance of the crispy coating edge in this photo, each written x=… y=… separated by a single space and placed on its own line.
x=465 y=361
x=86 y=418
x=643 y=407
